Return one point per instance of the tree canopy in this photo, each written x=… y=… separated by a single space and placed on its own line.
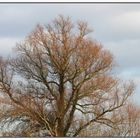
x=59 y=83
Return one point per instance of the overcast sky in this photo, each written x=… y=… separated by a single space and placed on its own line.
x=116 y=27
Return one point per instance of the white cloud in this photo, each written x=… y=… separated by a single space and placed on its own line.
x=126 y=52
x=126 y=25
x=6 y=45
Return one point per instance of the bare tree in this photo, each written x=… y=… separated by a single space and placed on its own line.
x=125 y=123
x=60 y=82
x=128 y=122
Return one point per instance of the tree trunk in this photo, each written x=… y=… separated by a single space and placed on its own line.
x=61 y=107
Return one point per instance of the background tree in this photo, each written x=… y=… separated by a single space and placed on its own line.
x=59 y=83
x=126 y=124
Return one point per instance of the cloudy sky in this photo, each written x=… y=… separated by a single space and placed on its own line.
x=116 y=26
